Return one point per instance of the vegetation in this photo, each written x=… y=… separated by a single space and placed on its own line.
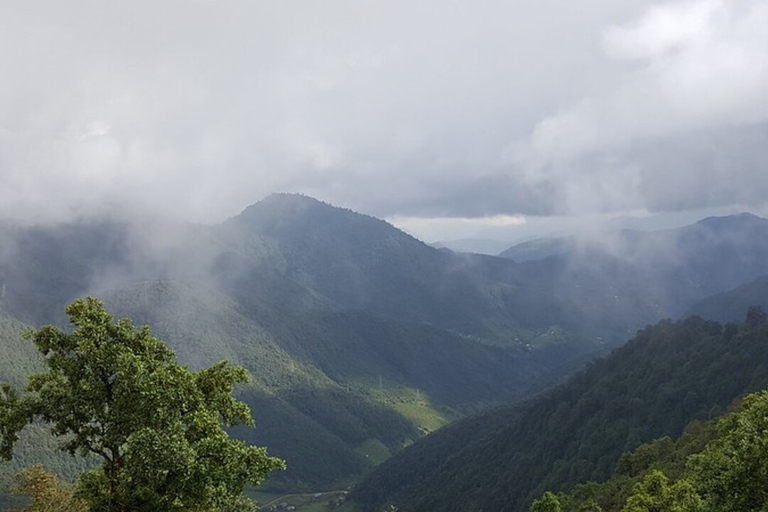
x=117 y=393
x=547 y=503
x=718 y=467
x=731 y=473
x=655 y=385
x=47 y=493
x=359 y=338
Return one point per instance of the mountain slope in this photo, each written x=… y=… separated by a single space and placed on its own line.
x=359 y=262
x=359 y=337
x=283 y=289
x=729 y=306
x=667 y=376
x=19 y=359
x=633 y=278
x=324 y=383
x=328 y=386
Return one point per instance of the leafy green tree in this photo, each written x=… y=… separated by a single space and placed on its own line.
x=589 y=506
x=654 y=494
x=547 y=503
x=117 y=392
x=732 y=471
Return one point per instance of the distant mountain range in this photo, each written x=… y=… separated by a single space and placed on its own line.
x=360 y=338
x=474 y=245
x=633 y=275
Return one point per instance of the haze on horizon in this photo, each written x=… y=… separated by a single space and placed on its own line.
x=450 y=119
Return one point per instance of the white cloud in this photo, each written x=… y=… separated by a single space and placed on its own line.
x=665 y=28
x=393 y=108
x=696 y=68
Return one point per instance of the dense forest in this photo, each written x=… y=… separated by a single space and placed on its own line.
x=719 y=465
x=667 y=376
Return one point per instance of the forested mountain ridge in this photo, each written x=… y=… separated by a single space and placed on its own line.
x=667 y=376
x=306 y=255
x=715 y=466
x=359 y=337
x=338 y=384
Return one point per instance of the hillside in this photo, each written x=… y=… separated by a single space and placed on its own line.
x=19 y=356
x=539 y=249
x=729 y=306
x=636 y=277
x=360 y=338
x=715 y=466
x=35 y=445
x=336 y=387
x=667 y=376
x=327 y=386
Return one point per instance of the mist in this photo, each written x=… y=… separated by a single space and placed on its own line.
x=194 y=110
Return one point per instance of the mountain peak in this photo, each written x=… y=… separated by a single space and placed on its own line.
x=292 y=198
x=284 y=203
x=739 y=219
x=298 y=216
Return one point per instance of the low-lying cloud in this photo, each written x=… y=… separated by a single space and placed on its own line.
x=685 y=127
x=428 y=109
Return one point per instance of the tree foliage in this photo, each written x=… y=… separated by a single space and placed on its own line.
x=547 y=503
x=655 y=494
x=117 y=392
x=46 y=492
x=732 y=471
x=721 y=466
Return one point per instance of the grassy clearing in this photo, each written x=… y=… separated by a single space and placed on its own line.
x=421 y=414
x=374 y=451
x=415 y=406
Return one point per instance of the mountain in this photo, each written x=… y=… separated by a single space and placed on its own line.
x=635 y=277
x=473 y=245
x=326 y=384
x=667 y=376
x=539 y=249
x=360 y=338
x=729 y=306
x=332 y=391
x=362 y=263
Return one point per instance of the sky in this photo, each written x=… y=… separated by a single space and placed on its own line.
x=450 y=119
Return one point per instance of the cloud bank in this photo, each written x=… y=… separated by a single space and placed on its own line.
x=196 y=109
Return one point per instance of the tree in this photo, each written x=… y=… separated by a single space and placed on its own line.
x=547 y=503
x=117 y=392
x=654 y=494
x=732 y=471
x=590 y=506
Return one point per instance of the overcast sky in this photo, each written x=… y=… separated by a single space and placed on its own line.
x=435 y=114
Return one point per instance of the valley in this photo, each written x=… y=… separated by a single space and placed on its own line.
x=365 y=345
